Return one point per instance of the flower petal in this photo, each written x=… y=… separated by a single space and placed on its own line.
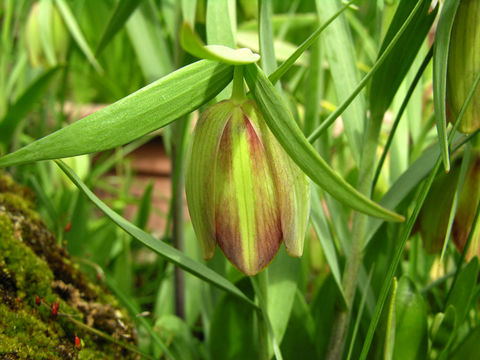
x=199 y=182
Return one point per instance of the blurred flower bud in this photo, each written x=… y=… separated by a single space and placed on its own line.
x=39 y=40
x=243 y=191
x=464 y=66
x=433 y=219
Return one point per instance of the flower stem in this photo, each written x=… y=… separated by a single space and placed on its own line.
x=260 y=285
x=238 y=91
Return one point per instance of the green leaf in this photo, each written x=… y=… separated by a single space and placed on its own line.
x=259 y=284
x=390 y=323
x=189 y=11
x=381 y=59
x=320 y=225
x=178 y=335
x=148 y=42
x=194 y=45
x=282 y=285
x=461 y=294
x=148 y=109
x=340 y=54
x=390 y=74
x=443 y=329
x=284 y=67
x=119 y=16
x=134 y=310
x=168 y=252
x=299 y=342
x=411 y=318
x=468 y=347
x=289 y=135
x=24 y=104
x=77 y=34
x=323 y=309
x=221 y=22
x=440 y=60
x=231 y=328
x=402 y=240
x=416 y=172
x=265 y=36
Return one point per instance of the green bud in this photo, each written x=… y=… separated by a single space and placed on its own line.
x=55 y=38
x=464 y=66
x=243 y=191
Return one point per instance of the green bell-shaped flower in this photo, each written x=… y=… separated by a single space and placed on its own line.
x=57 y=35
x=243 y=191
x=464 y=66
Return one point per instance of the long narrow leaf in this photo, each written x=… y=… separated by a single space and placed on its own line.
x=77 y=34
x=440 y=59
x=391 y=73
x=407 y=229
x=24 y=103
x=148 y=42
x=340 y=54
x=289 y=135
x=117 y=20
x=320 y=226
x=285 y=66
x=146 y=110
x=194 y=45
x=171 y=254
x=382 y=58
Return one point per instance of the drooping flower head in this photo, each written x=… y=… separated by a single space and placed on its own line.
x=243 y=191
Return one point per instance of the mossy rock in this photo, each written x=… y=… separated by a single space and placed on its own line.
x=35 y=273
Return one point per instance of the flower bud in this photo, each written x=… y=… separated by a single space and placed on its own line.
x=464 y=66
x=36 y=45
x=433 y=219
x=243 y=191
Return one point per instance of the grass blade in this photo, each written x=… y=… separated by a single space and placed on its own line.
x=148 y=42
x=340 y=54
x=320 y=226
x=24 y=104
x=148 y=109
x=440 y=59
x=285 y=66
x=77 y=34
x=117 y=20
x=194 y=45
x=396 y=260
x=382 y=58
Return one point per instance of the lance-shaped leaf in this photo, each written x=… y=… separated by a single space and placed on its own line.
x=440 y=61
x=194 y=45
x=148 y=109
x=289 y=135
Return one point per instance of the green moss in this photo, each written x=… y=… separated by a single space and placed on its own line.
x=33 y=276
x=31 y=264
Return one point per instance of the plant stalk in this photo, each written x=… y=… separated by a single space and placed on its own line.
x=179 y=128
x=354 y=260
x=238 y=90
x=262 y=292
